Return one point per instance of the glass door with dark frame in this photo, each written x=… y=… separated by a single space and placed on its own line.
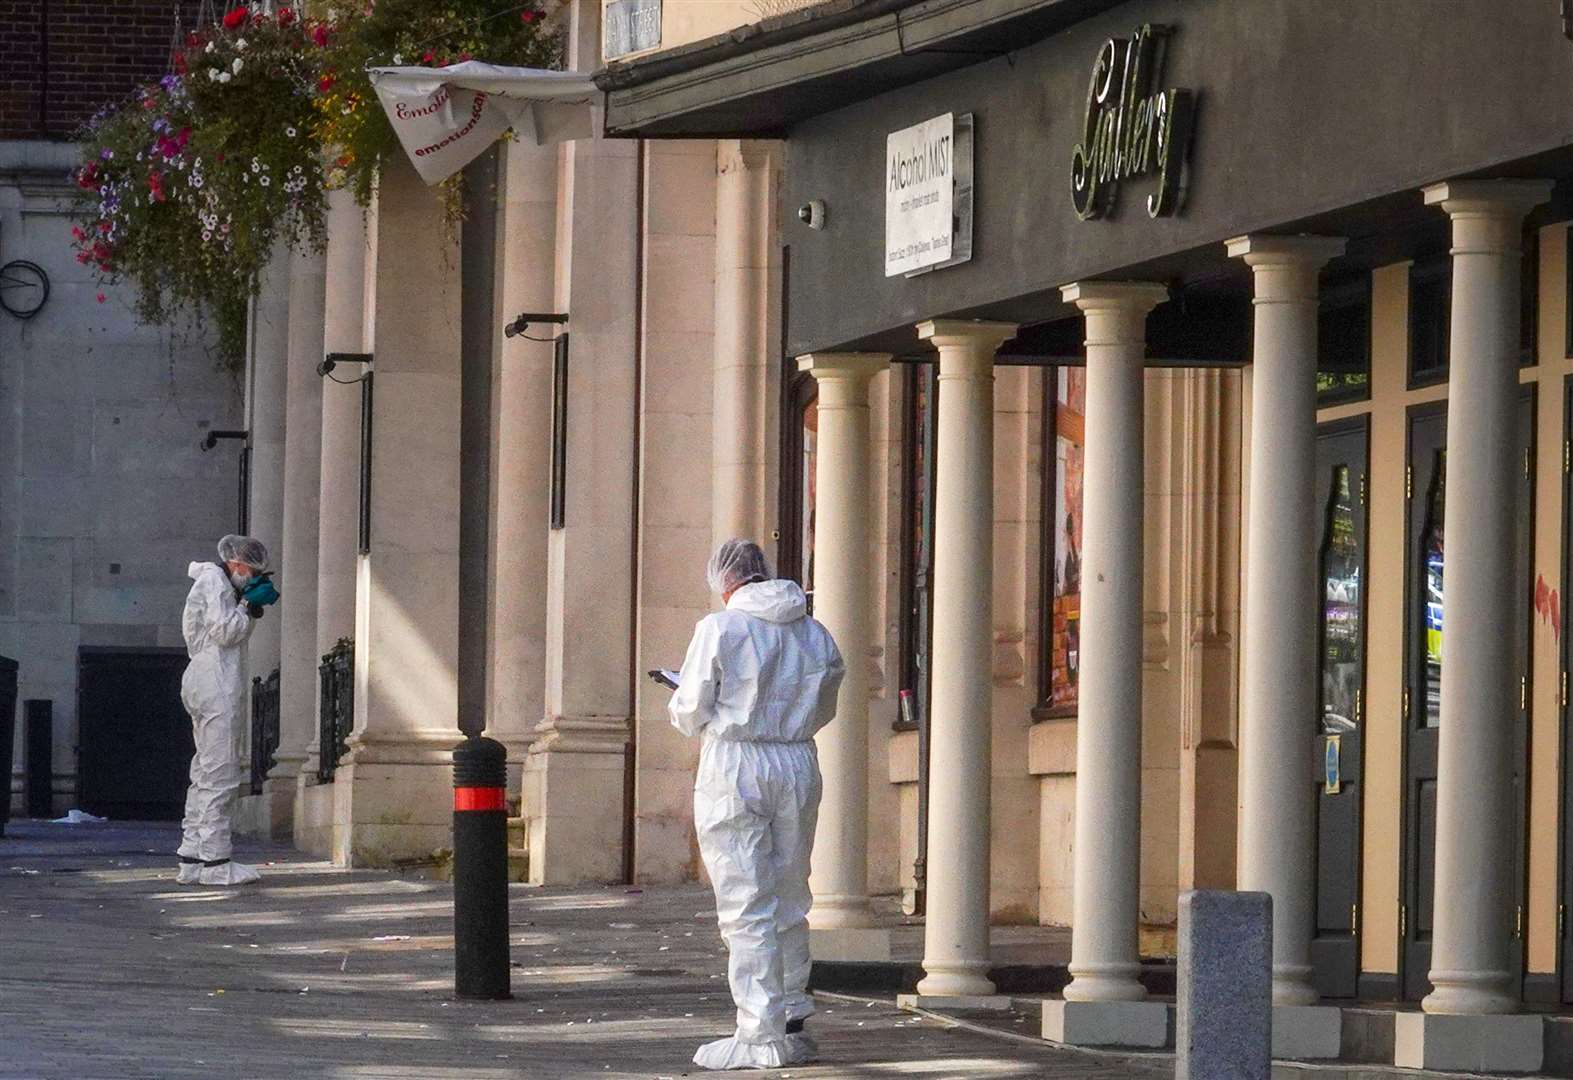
x=1059 y=649
x=1425 y=623
x=1341 y=455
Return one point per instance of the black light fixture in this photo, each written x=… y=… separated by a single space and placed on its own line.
x=522 y=321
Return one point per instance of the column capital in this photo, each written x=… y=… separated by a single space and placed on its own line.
x=1488 y=198
x=843 y=365
x=1264 y=250
x=1136 y=297
x=952 y=332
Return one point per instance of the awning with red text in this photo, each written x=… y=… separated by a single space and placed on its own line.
x=446 y=116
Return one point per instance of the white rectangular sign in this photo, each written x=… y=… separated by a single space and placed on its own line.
x=919 y=195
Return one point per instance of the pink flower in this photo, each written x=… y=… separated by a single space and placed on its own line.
x=101 y=298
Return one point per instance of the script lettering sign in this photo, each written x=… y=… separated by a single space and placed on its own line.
x=1131 y=129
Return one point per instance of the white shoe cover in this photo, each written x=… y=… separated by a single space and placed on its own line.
x=188 y=874
x=733 y=1054
x=230 y=873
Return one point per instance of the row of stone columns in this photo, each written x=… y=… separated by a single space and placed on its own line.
x=1277 y=841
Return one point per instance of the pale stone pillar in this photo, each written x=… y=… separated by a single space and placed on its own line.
x=956 y=932
x=392 y=795
x=302 y=500
x=343 y=330
x=521 y=475
x=844 y=602
x=573 y=783
x=1278 y=696
x=747 y=335
x=265 y=419
x=1104 y=1001
x=1470 y=968
x=1468 y=1020
x=1277 y=843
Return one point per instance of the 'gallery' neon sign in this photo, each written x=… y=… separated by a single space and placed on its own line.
x=1130 y=129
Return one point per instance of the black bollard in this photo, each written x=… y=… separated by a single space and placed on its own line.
x=480 y=870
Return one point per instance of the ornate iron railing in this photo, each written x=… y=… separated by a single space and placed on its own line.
x=336 y=677
x=264 y=727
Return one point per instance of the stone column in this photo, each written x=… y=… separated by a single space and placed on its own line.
x=302 y=501
x=956 y=932
x=747 y=335
x=573 y=783
x=343 y=330
x=1104 y=1002
x=265 y=419
x=392 y=794
x=1463 y=1025
x=1278 y=694
x=521 y=475
x=844 y=601
x=1474 y=790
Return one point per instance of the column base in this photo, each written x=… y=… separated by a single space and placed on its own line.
x=954 y=1002
x=1145 y=1025
x=387 y=814
x=1307 y=1032
x=865 y=943
x=1502 y=1043
x=313 y=815
x=955 y=979
x=268 y=816
x=572 y=796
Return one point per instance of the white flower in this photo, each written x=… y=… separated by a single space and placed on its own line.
x=211 y=46
x=265 y=181
x=333 y=15
x=255 y=167
x=240 y=44
x=289 y=132
x=397 y=59
x=236 y=66
x=206 y=236
x=212 y=75
x=223 y=76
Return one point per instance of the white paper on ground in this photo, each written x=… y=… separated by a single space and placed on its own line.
x=77 y=817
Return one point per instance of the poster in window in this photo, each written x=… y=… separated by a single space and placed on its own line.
x=1070 y=401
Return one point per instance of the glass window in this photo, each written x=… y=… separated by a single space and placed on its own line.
x=1341 y=641
x=1430 y=308
x=1063 y=464
x=1430 y=598
x=920 y=388
x=1343 y=347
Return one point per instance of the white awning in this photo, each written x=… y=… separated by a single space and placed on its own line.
x=446 y=116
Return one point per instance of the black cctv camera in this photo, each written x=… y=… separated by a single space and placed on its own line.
x=522 y=321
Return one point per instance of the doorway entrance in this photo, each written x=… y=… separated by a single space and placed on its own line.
x=1424 y=625
x=1341 y=463
x=134 y=743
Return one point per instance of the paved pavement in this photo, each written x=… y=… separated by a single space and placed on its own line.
x=109 y=971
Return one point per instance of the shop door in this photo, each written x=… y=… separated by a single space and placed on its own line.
x=134 y=741
x=1550 y=608
x=1424 y=626
x=1341 y=449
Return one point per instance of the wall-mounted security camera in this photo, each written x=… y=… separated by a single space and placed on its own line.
x=812 y=213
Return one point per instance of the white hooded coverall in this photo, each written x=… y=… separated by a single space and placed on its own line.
x=216 y=626
x=759 y=680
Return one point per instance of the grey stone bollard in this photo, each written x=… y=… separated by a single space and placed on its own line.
x=1224 y=1027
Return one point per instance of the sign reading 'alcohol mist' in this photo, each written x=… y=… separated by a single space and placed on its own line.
x=919 y=195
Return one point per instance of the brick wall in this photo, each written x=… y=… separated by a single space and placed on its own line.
x=62 y=59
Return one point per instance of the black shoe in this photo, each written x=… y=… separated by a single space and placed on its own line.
x=794 y=1027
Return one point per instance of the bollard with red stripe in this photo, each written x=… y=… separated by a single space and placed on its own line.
x=480 y=869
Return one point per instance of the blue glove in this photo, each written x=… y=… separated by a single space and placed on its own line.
x=261 y=591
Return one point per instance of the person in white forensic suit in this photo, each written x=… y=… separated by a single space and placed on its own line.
x=759 y=680
x=216 y=623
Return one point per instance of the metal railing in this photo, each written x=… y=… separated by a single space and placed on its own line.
x=264 y=727
x=336 y=677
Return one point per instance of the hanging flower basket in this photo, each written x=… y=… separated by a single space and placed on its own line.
x=194 y=182
x=350 y=122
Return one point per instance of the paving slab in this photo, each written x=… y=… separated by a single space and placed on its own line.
x=110 y=971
